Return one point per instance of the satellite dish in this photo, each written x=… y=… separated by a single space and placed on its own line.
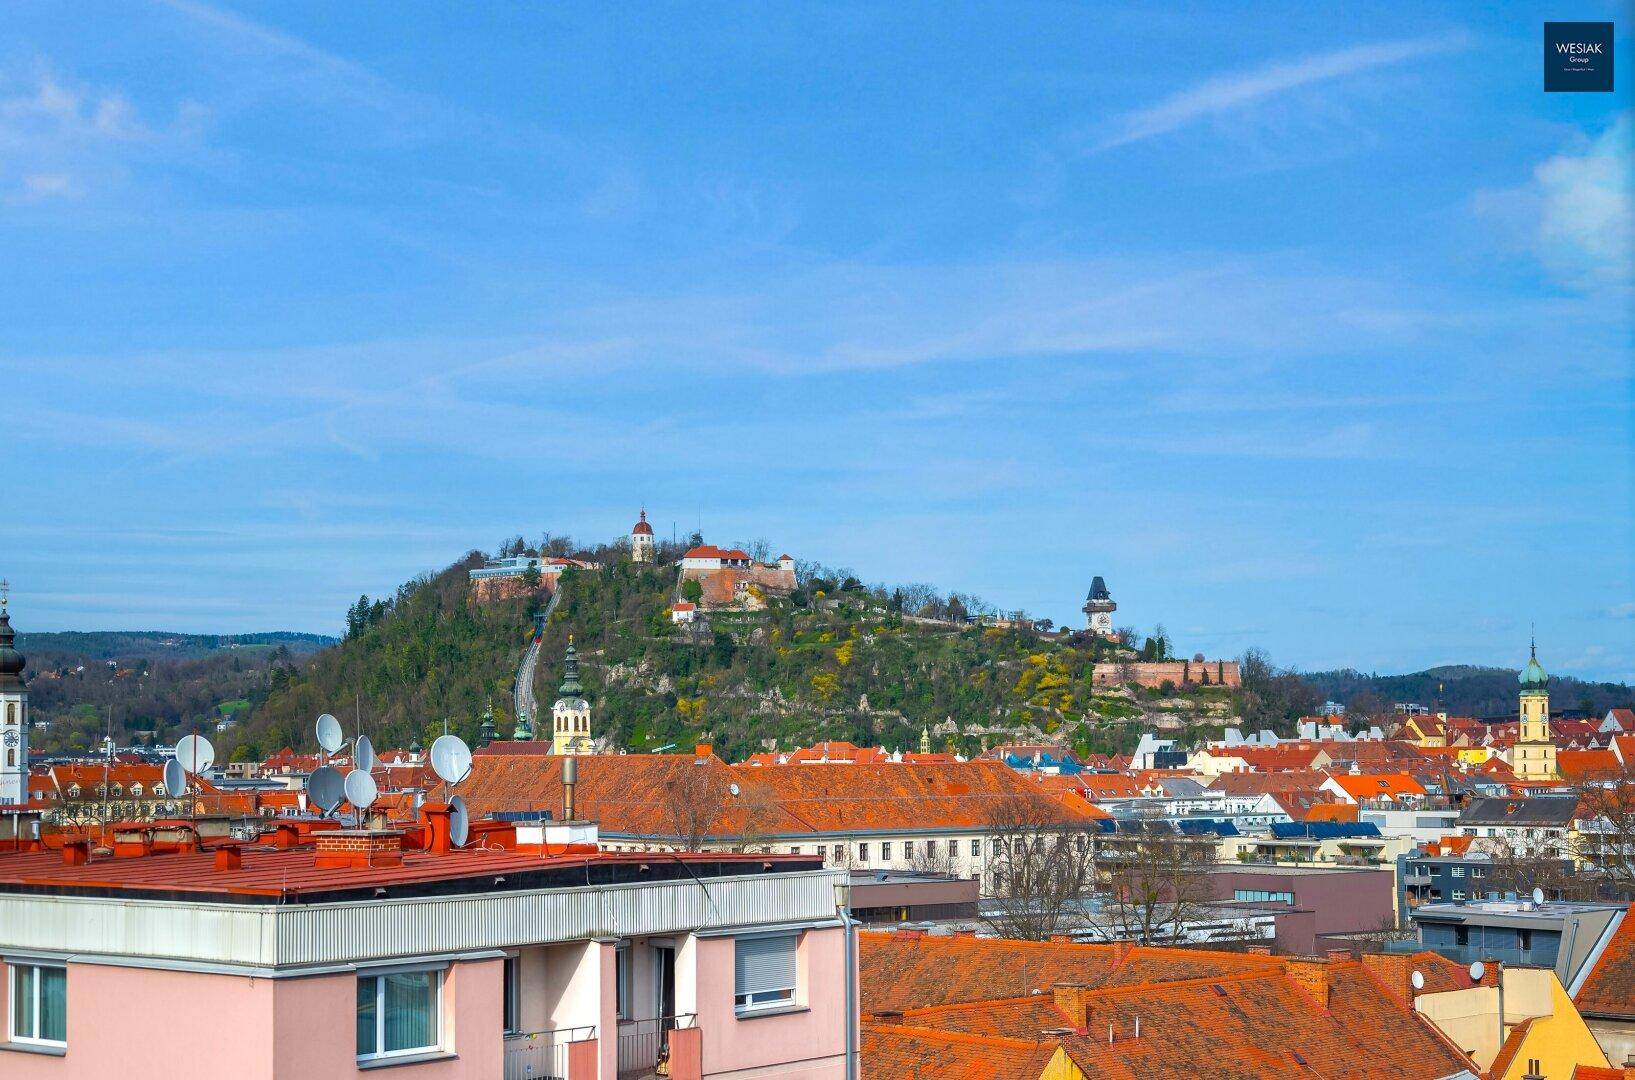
x=175 y=779
x=325 y=788
x=733 y=788
x=459 y=821
x=329 y=733
x=1538 y=896
x=363 y=755
x=360 y=789
x=1418 y=979
x=195 y=753
x=450 y=758
x=1477 y=970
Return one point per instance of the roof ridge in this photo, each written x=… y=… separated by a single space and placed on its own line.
x=961 y=1036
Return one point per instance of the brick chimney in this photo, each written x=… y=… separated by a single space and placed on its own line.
x=359 y=847
x=229 y=857
x=703 y=749
x=1396 y=971
x=76 y=852
x=1070 y=1000
x=1311 y=975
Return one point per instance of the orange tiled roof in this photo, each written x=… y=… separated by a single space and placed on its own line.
x=1610 y=988
x=1588 y=764
x=1376 y=785
x=1249 y=1017
x=664 y=795
x=901 y=972
x=893 y=1052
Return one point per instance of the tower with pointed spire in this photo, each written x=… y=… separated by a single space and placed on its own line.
x=1533 y=757
x=570 y=716
x=641 y=540
x=13 y=711
x=1098 y=608
x=485 y=734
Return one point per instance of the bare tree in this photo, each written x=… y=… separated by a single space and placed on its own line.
x=917 y=596
x=1156 y=880
x=1041 y=869
x=1519 y=864
x=692 y=802
x=1606 y=828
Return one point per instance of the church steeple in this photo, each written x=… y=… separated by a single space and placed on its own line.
x=570 y=716
x=13 y=711
x=1534 y=755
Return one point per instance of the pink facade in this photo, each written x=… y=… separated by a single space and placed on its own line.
x=143 y=1024
x=147 y=1024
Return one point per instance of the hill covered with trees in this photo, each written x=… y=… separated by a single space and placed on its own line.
x=837 y=660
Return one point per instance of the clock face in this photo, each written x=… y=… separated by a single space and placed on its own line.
x=11 y=738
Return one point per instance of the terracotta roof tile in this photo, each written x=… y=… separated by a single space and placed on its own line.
x=1610 y=989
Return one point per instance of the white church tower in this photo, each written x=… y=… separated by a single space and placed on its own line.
x=641 y=540
x=13 y=714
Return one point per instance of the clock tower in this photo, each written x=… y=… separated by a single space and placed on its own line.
x=570 y=716
x=1533 y=757
x=13 y=714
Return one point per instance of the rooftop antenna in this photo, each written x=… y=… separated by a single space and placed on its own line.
x=1418 y=980
x=363 y=754
x=330 y=737
x=459 y=822
x=325 y=788
x=360 y=790
x=195 y=755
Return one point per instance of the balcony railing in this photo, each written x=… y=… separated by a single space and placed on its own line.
x=542 y=1055
x=642 y=1043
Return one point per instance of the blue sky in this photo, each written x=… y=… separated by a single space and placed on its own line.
x=1308 y=330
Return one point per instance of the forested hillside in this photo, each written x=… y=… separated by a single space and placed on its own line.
x=1463 y=690
x=837 y=660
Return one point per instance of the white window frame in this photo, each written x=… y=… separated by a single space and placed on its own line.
x=623 y=972
x=511 y=1009
x=16 y=971
x=748 y=1003
x=378 y=976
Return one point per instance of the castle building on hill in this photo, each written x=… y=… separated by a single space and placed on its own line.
x=13 y=716
x=570 y=716
x=1098 y=609
x=641 y=540
x=728 y=577
x=1533 y=757
x=501 y=579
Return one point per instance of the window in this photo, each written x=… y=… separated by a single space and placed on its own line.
x=908 y=849
x=764 y=972
x=1263 y=896
x=885 y=850
x=1458 y=894
x=931 y=849
x=822 y=851
x=1458 y=871
x=976 y=849
x=621 y=981
x=512 y=1020
x=862 y=853
x=136 y=791
x=398 y=1014
x=39 y=1004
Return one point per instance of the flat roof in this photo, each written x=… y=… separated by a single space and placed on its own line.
x=291 y=876
x=1293 y=871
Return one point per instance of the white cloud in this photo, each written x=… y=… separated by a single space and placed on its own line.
x=1242 y=89
x=60 y=139
x=1586 y=228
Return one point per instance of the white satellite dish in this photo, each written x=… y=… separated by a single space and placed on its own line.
x=1538 y=896
x=195 y=753
x=325 y=788
x=329 y=733
x=1477 y=970
x=360 y=789
x=175 y=779
x=733 y=788
x=363 y=755
x=1418 y=979
x=450 y=758
x=459 y=821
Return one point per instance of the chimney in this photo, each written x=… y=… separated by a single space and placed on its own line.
x=285 y=836
x=703 y=749
x=570 y=780
x=229 y=857
x=359 y=848
x=907 y=935
x=1311 y=975
x=1340 y=955
x=438 y=841
x=76 y=852
x=1069 y=999
x=886 y=1016
x=1491 y=972
x=1259 y=950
